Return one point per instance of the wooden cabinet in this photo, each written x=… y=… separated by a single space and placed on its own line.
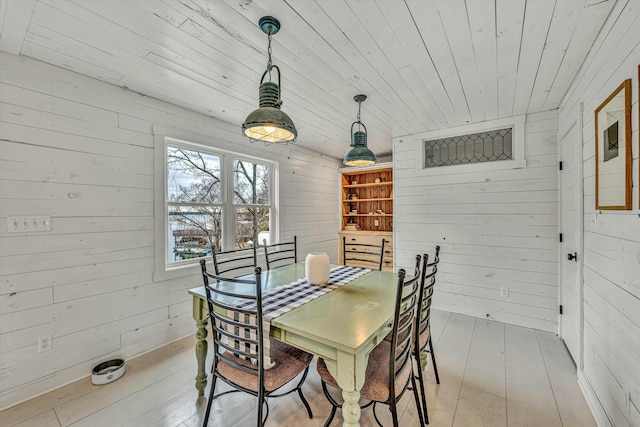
x=371 y=237
x=367 y=208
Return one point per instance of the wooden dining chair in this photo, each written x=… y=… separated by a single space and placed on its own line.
x=238 y=347
x=389 y=370
x=240 y=261
x=280 y=254
x=422 y=338
x=368 y=255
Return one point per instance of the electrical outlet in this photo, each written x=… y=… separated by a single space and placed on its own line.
x=504 y=292
x=376 y=223
x=44 y=343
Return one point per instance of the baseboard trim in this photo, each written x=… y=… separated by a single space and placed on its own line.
x=52 y=382
x=597 y=410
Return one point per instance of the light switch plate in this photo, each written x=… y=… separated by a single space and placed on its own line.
x=28 y=223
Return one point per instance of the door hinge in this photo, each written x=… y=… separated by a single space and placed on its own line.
x=560 y=164
x=560 y=308
x=560 y=237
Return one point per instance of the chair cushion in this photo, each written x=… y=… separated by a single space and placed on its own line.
x=289 y=362
x=376 y=385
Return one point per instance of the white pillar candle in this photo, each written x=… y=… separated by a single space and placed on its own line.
x=317 y=268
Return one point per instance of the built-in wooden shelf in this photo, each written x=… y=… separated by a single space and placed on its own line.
x=368 y=200
x=371 y=196
x=366 y=214
x=371 y=184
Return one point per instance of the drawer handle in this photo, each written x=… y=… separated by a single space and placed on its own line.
x=353 y=240
x=387 y=252
x=387 y=262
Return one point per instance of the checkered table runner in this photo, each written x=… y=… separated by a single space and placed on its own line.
x=282 y=299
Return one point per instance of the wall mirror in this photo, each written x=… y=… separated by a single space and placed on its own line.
x=613 y=150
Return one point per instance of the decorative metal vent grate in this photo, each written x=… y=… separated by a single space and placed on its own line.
x=480 y=147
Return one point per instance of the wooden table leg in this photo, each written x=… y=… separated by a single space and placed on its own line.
x=200 y=316
x=351 y=408
x=349 y=370
x=423 y=359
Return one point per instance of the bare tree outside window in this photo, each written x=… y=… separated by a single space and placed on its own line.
x=194 y=195
x=251 y=200
x=196 y=208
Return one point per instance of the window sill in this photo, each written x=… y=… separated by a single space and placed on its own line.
x=186 y=270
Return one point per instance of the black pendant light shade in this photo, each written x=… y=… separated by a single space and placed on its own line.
x=359 y=155
x=268 y=123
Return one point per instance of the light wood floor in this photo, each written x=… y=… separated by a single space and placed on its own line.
x=492 y=374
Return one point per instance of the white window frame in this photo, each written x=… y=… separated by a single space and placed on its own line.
x=165 y=137
x=518 y=161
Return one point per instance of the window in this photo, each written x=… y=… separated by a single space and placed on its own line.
x=478 y=147
x=213 y=198
x=488 y=146
x=251 y=202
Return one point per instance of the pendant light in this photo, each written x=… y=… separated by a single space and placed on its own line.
x=359 y=155
x=268 y=123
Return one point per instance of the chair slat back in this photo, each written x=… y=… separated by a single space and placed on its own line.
x=239 y=262
x=403 y=326
x=280 y=254
x=427 y=282
x=236 y=320
x=368 y=255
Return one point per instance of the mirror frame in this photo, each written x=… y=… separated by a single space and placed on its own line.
x=625 y=88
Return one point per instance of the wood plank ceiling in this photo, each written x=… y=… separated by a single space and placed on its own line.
x=424 y=64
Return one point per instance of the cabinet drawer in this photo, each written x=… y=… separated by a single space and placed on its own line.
x=387 y=263
x=369 y=239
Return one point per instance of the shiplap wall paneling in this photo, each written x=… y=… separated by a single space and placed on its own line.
x=496 y=228
x=81 y=151
x=611 y=377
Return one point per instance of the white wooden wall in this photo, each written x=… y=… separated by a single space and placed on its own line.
x=611 y=377
x=81 y=151
x=495 y=228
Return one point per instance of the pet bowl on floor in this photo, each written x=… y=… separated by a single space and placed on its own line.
x=107 y=372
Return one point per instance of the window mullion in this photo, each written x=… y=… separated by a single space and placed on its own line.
x=213 y=205
x=228 y=216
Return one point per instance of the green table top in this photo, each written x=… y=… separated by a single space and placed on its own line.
x=345 y=318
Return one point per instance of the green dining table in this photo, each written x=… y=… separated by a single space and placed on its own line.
x=341 y=326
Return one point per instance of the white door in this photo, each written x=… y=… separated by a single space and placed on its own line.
x=571 y=220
